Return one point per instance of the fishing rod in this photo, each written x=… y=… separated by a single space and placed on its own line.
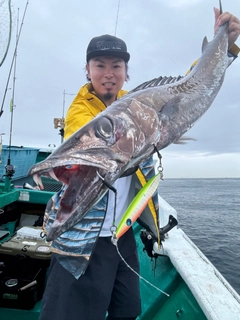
x=13 y=59
x=115 y=32
x=59 y=123
x=9 y=167
x=10 y=170
x=12 y=104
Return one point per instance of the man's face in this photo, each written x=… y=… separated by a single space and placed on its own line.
x=107 y=75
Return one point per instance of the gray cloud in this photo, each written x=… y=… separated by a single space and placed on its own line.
x=163 y=39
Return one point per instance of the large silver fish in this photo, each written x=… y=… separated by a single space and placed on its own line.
x=127 y=132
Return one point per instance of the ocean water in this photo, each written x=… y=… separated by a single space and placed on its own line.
x=209 y=213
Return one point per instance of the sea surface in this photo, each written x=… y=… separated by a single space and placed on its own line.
x=209 y=213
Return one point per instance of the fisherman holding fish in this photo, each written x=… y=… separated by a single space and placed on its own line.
x=99 y=283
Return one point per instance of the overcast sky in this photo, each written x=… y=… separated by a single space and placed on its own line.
x=163 y=37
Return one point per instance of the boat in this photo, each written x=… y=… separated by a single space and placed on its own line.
x=177 y=281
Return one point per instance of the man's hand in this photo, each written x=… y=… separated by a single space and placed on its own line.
x=234 y=25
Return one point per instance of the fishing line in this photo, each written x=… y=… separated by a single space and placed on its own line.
x=5 y=28
x=134 y=271
x=107 y=184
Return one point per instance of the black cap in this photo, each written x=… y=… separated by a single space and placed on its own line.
x=107 y=45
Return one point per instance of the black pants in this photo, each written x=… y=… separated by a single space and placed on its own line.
x=113 y=318
x=107 y=285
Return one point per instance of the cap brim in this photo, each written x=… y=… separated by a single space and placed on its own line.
x=123 y=55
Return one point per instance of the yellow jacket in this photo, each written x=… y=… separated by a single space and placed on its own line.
x=83 y=109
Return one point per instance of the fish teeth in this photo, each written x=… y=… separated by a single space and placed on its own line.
x=52 y=175
x=37 y=179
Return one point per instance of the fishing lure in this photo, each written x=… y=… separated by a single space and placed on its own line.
x=136 y=207
x=130 y=216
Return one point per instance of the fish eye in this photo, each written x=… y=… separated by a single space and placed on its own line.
x=104 y=127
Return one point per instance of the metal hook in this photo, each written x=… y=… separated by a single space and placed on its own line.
x=106 y=183
x=160 y=167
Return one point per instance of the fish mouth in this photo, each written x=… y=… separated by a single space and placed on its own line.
x=83 y=188
x=77 y=180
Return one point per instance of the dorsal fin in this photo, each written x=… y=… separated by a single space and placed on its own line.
x=156 y=82
x=184 y=140
x=204 y=43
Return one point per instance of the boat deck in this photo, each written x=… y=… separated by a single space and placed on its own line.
x=197 y=291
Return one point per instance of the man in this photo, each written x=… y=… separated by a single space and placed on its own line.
x=106 y=283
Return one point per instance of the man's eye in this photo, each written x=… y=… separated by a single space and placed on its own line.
x=104 y=128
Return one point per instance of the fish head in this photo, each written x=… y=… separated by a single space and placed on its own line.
x=110 y=144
